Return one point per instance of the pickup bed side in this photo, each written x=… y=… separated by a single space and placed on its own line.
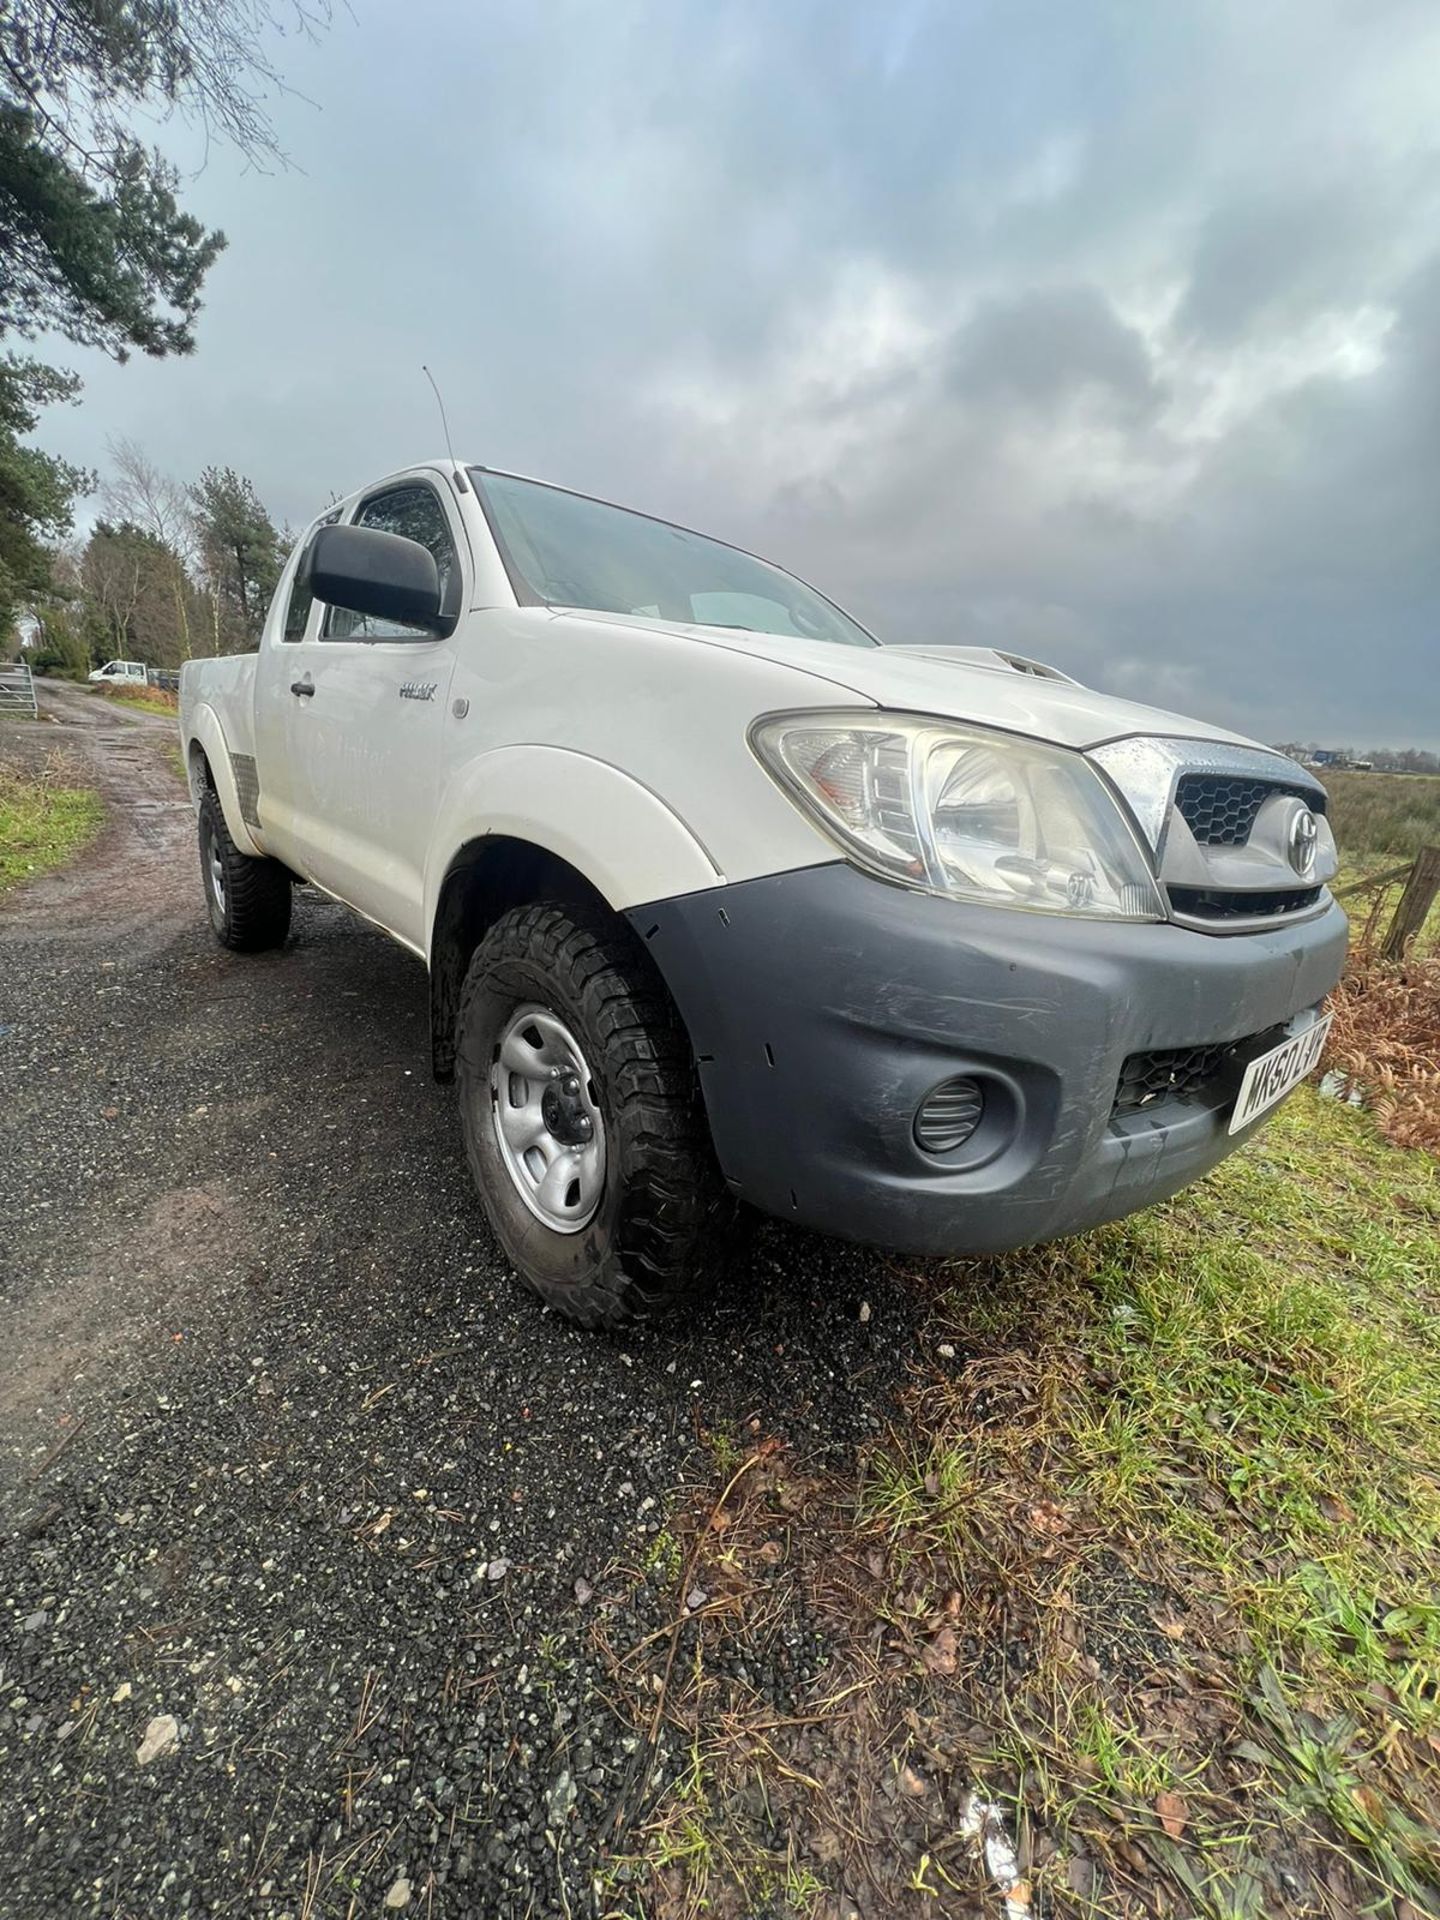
x=217 y=730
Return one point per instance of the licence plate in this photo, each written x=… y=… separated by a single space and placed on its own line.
x=1271 y=1077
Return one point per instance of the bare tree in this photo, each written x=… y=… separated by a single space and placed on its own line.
x=139 y=492
x=140 y=495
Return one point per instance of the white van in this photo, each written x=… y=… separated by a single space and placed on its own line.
x=118 y=672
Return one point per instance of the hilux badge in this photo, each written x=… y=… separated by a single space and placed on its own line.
x=1301 y=841
x=418 y=689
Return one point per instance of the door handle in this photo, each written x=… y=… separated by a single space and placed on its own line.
x=304 y=688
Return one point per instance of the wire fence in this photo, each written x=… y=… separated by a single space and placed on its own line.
x=1420 y=879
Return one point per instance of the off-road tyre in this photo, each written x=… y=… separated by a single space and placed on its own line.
x=665 y=1225
x=250 y=909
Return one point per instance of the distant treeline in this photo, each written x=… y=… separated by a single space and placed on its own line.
x=1382 y=759
x=171 y=570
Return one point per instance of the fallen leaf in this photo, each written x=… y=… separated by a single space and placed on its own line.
x=1046 y=1517
x=939 y=1654
x=1080 y=1873
x=1173 y=1813
x=1370 y=1804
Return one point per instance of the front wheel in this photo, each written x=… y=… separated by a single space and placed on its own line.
x=249 y=899
x=582 y=1119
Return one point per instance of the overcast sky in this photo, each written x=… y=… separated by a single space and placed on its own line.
x=1105 y=332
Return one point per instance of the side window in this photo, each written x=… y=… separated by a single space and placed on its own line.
x=415 y=512
x=297 y=610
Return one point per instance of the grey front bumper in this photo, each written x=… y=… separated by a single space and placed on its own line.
x=823 y=1006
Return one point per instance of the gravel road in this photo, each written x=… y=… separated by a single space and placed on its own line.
x=296 y=1481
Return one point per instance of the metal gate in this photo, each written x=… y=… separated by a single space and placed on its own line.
x=17 y=690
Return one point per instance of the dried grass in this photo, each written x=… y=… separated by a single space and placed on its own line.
x=148 y=699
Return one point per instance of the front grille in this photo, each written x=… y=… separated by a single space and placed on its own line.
x=1217 y=903
x=1220 y=810
x=1169 y=1073
x=1194 y=1076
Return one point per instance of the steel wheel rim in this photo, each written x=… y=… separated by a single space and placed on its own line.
x=215 y=875
x=548 y=1125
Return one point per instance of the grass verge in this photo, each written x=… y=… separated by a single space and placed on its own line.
x=143 y=699
x=1150 y=1558
x=43 y=821
x=1394 y=814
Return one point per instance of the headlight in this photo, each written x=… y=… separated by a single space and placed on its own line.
x=962 y=811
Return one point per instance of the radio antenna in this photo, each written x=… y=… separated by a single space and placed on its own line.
x=458 y=475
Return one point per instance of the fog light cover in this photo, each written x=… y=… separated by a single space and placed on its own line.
x=949 y=1115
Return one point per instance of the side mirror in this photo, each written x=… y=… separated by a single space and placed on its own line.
x=384 y=574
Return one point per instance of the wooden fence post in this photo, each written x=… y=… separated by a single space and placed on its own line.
x=1415 y=903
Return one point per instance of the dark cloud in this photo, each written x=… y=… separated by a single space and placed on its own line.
x=1107 y=334
x=1049 y=345
x=1280 y=258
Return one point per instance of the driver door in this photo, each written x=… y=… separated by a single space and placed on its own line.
x=367 y=702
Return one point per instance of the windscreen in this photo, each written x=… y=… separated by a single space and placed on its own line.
x=570 y=551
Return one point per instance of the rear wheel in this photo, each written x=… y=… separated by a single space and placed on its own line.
x=249 y=899
x=582 y=1119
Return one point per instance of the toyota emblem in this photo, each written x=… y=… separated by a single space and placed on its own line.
x=1304 y=833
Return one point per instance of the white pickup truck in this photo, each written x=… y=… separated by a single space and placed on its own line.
x=723 y=902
